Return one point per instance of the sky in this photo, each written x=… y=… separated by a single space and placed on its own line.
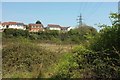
x=62 y=13
x=59 y=0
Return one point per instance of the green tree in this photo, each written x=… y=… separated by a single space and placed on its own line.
x=38 y=22
x=115 y=18
x=107 y=47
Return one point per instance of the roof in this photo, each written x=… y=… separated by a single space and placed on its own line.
x=20 y=24
x=5 y=23
x=64 y=28
x=35 y=24
x=54 y=26
x=12 y=23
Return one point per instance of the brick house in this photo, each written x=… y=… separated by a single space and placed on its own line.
x=35 y=27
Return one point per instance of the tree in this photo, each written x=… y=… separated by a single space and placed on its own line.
x=38 y=22
x=107 y=47
x=115 y=18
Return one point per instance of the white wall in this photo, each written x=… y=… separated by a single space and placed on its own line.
x=69 y=28
x=17 y=27
x=1 y=26
x=51 y=28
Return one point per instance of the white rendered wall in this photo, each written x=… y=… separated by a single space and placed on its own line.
x=55 y=28
x=17 y=27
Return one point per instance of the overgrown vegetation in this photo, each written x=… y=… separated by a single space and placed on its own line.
x=22 y=58
x=96 y=55
x=101 y=59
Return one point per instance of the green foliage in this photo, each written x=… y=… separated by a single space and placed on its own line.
x=100 y=60
x=108 y=38
x=84 y=58
x=38 y=22
x=108 y=52
x=64 y=67
x=97 y=56
x=86 y=30
x=22 y=58
x=33 y=36
x=82 y=34
x=77 y=64
x=15 y=33
x=115 y=18
x=75 y=36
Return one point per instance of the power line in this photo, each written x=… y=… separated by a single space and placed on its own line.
x=79 y=19
x=82 y=9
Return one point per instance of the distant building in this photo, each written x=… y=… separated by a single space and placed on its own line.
x=57 y=27
x=0 y=25
x=13 y=25
x=65 y=29
x=53 y=27
x=35 y=27
x=4 y=25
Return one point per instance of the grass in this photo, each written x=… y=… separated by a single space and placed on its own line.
x=23 y=58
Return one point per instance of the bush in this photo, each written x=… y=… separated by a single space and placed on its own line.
x=75 y=64
x=108 y=39
x=108 y=52
x=21 y=56
x=64 y=67
x=16 y=33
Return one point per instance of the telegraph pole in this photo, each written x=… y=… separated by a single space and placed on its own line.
x=79 y=19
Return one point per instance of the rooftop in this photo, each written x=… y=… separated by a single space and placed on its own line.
x=54 y=25
x=12 y=23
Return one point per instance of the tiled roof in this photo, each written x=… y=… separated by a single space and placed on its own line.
x=5 y=23
x=35 y=25
x=12 y=23
x=54 y=25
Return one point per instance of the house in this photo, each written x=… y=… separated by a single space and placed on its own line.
x=35 y=27
x=13 y=25
x=53 y=27
x=0 y=26
x=58 y=27
x=65 y=29
x=4 y=25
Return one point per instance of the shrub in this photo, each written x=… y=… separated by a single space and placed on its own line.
x=16 y=33
x=20 y=56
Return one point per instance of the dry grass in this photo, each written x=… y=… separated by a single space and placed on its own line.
x=50 y=53
x=56 y=47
